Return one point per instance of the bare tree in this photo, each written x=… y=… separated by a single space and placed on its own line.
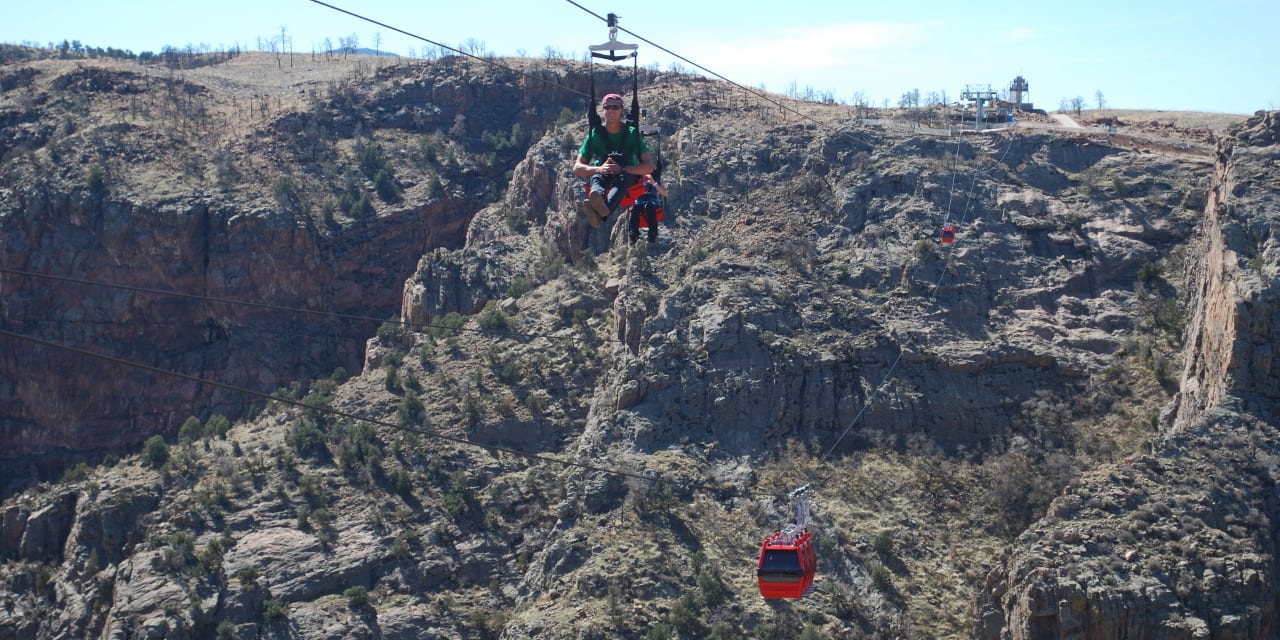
x=1102 y=103
x=1077 y=104
x=349 y=44
x=473 y=47
x=284 y=44
x=377 y=43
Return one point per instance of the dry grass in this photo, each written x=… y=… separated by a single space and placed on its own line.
x=1216 y=122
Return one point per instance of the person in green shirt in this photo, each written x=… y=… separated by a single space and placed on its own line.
x=612 y=158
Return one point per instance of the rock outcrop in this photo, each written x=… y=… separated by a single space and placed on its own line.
x=576 y=438
x=1180 y=543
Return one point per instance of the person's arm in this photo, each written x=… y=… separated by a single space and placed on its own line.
x=662 y=191
x=645 y=166
x=584 y=169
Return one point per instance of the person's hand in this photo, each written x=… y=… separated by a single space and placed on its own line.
x=611 y=167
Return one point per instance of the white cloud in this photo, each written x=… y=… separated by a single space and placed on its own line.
x=1019 y=34
x=798 y=52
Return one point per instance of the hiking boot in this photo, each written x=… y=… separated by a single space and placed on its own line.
x=597 y=209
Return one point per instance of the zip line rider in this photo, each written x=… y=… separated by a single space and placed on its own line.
x=613 y=157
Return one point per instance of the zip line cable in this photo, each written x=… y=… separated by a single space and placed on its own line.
x=460 y=52
x=275 y=307
x=430 y=433
x=754 y=92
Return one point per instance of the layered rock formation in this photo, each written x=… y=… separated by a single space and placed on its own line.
x=579 y=439
x=149 y=205
x=1180 y=543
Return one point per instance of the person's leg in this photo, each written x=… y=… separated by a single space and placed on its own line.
x=651 y=216
x=618 y=190
x=597 y=208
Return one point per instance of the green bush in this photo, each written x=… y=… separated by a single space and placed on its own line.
x=155 y=452
x=685 y=615
x=493 y=319
x=97 y=181
x=712 y=588
x=449 y=325
x=76 y=473
x=385 y=185
x=190 y=431
x=660 y=631
x=410 y=408
x=286 y=194
x=1149 y=273
x=226 y=630
x=882 y=542
x=357 y=596
x=274 y=609
x=881 y=577
x=218 y=425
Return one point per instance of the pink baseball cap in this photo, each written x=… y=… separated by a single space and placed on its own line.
x=612 y=96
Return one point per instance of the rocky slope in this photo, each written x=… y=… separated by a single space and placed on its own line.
x=1180 y=543
x=991 y=426
x=216 y=183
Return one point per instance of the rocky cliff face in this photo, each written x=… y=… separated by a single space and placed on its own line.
x=576 y=438
x=171 y=199
x=1180 y=543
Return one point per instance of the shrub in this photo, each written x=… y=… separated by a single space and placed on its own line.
x=76 y=473
x=362 y=208
x=1149 y=273
x=306 y=438
x=226 y=630
x=274 y=609
x=882 y=542
x=660 y=631
x=218 y=425
x=410 y=408
x=248 y=577
x=924 y=249
x=190 y=431
x=97 y=181
x=372 y=161
x=881 y=577
x=685 y=615
x=449 y=325
x=286 y=194
x=357 y=596
x=155 y=451
x=493 y=319
x=472 y=411
x=385 y=184
x=488 y=620
x=713 y=589
x=537 y=402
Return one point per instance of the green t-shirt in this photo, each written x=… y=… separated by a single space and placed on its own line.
x=595 y=149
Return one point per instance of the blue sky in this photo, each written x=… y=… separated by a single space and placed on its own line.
x=1175 y=55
